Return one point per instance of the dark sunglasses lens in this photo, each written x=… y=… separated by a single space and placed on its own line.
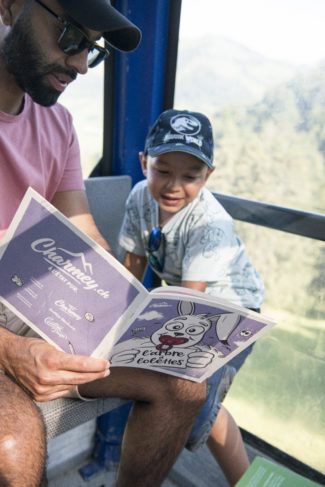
x=72 y=40
x=96 y=56
x=154 y=240
x=155 y=264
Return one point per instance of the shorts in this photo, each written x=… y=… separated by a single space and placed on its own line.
x=217 y=387
x=14 y=324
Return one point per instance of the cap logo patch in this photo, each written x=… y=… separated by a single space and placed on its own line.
x=185 y=124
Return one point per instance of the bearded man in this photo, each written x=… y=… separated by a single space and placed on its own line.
x=44 y=45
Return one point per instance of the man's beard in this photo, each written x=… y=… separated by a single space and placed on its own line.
x=23 y=59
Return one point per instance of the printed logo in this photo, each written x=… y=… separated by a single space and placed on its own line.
x=185 y=124
x=17 y=280
x=89 y=317
x=63 y=266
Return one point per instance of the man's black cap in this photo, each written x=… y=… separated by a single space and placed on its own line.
x=99 y=15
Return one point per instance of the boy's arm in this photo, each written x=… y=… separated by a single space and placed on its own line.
x=136 y=264
x=197 y=285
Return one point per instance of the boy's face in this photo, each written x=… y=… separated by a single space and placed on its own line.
x=174 y=180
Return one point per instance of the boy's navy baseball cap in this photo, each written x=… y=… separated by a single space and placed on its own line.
x=183 y=131
x=99 y=15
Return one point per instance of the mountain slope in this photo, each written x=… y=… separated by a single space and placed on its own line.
x=214 y=71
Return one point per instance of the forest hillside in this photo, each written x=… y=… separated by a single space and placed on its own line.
x=269 y=146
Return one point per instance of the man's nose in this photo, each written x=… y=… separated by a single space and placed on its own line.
x=79 y=61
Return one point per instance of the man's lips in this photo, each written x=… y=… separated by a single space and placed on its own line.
x=59 y=81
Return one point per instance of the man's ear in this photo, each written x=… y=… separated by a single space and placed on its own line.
x=5 y=12
x=143 y=162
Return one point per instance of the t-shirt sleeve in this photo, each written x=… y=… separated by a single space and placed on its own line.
x=130 y=234
x=208 y=250
x=72 y=178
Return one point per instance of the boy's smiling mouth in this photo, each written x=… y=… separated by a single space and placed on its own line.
x=171 y=200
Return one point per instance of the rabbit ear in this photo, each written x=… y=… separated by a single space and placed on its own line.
x=226 y=325
x=185 y=308
x=213 y=317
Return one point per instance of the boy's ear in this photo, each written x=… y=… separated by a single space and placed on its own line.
x=209 y=171
x=143 y=162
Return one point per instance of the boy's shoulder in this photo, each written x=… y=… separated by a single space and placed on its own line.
x=140 y=185
x=140 y=189
x=204 y=209
x=208 y=203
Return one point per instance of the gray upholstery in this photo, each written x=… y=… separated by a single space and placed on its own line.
x=107 y=197
x=62 y=415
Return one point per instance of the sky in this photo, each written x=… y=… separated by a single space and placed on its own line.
x=286 y=30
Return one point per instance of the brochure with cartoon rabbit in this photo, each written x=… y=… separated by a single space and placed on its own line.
x=80 y=299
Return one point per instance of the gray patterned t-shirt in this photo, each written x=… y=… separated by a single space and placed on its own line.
x=201 y=245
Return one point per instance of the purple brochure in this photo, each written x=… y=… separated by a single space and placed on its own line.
x=80 y=299
x=61 y=283
x=188 y=334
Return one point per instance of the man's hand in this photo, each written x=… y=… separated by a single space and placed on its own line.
x=46 y=372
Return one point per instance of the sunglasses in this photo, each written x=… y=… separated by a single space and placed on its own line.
x=156 y=239
x=73 y=40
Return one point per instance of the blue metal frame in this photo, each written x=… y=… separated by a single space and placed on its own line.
x=139 y=83
x=137 y=86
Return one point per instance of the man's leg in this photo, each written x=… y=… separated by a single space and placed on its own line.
x=160 y=421
x=22 y=438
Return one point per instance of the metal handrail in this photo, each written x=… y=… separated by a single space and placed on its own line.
x=298 y=222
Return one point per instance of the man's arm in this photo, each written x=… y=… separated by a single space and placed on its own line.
x=136 y=264
x=37 y=366
x=74 y=205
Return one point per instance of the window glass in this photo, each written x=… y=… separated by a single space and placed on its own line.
x=279 y=394
x=257 y=69
x=84 y=100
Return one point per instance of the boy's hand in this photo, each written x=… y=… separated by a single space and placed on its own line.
x=47 y=373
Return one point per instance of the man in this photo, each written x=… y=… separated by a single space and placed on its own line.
x=44 y=45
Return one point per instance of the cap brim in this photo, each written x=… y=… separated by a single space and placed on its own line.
x=119 y=32
x=163 y=149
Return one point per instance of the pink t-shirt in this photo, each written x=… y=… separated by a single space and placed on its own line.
x=38 y=148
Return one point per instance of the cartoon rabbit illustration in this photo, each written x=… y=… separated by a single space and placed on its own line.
x=184 y=333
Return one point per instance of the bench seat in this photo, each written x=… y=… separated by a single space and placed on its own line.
x=107 y=197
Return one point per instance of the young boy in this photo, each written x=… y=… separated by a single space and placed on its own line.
x=177 y=226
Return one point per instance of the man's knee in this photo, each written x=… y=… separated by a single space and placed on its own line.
x=22 y=429
x=186 y=393
x=146 y=386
